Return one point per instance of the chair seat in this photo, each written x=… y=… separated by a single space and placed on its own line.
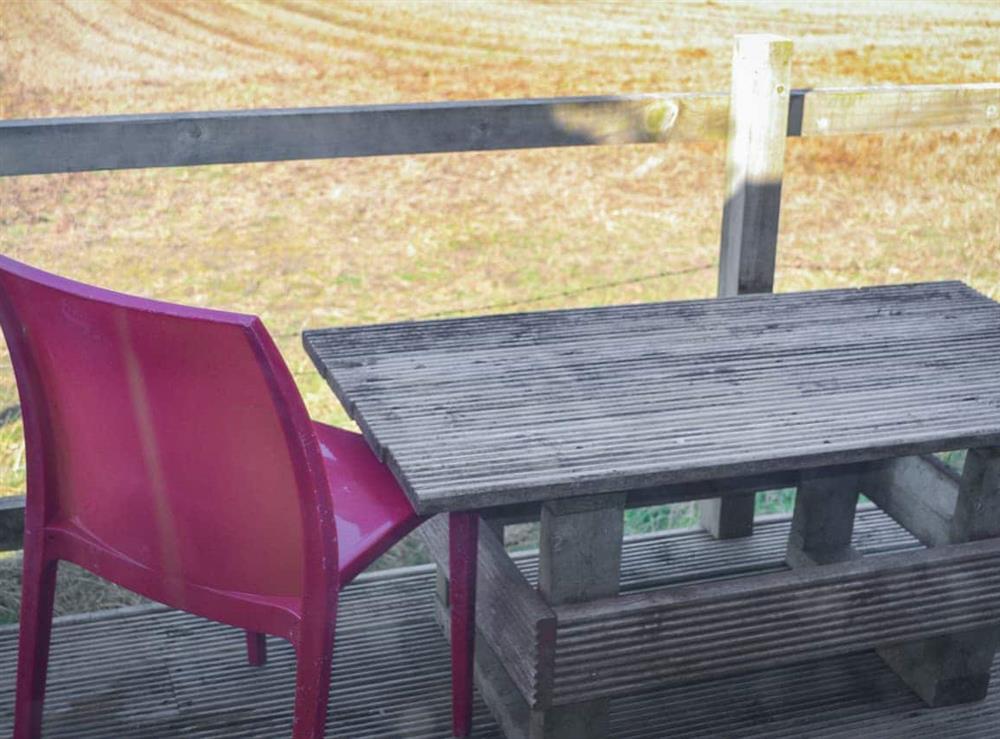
x=371 y=509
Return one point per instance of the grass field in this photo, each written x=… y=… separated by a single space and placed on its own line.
x=350 y=241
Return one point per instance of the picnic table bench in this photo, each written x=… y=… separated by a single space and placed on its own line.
x=572 y=416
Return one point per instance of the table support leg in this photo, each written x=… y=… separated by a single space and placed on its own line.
x=579 y=560
x=577 y=721
x=463 y=537
x=730 y=517
x=823 y=521
x=955 y=668
x=441 y=586
x=499 y=692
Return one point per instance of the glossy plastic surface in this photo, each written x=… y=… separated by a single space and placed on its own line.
x=169 y=451
x=372 y=512
x=463 y=549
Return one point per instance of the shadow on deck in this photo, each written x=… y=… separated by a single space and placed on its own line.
x=153 y=672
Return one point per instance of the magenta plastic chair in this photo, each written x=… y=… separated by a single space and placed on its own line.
x=169 y=451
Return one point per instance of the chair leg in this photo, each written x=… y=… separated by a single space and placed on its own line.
x=256 y=648
x=463 y=535
x=37 y=596
x=312 y=681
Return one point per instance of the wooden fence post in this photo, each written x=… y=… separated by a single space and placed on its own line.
x=758 y=125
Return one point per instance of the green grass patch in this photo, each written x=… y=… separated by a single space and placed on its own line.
x=954 y=459
x=685 y=515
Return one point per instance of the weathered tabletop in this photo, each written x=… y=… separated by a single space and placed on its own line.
x=490 y=411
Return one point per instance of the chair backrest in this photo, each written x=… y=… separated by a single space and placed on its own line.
x=171 y=436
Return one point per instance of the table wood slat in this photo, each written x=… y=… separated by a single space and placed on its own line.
x=499 y=410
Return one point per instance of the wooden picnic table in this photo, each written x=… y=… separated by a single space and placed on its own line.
x=573 y=415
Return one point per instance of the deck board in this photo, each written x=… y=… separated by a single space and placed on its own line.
x=499 y=410
x=154 y=672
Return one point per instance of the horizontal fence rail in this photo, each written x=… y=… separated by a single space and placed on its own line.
x=51 y=145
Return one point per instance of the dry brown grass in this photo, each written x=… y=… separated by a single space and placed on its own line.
x=77 y=591
x=347 y=241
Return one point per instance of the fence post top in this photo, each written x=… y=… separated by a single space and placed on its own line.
x=762 y=49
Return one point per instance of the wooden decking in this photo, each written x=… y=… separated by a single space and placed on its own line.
x=510 y=409
x=152 y=672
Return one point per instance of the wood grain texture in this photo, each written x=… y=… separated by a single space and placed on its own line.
x=49 y=145
x=755 y=160
x=507 y=706
x=977 y=510
x=579 y=559
x=510 y=409
x=651 y=561
x=580 y=549
x=150 y=672
x=223 y=137
x=510 y=615
x=624 y=645
x=946 y=669
x=823 y=520
x=676 y=557
x=920 y=493
x=588 y=720
x=953 y=666
x=833 y=112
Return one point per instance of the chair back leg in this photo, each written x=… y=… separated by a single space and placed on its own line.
x=463 y=551
x=38 y=591
x=256 y=648
x=314 y=653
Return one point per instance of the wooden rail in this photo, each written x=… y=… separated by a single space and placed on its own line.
x=46 y=146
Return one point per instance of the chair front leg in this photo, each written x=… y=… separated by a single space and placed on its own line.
x=38 y=591
x=314 y=653
x=463 y=549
